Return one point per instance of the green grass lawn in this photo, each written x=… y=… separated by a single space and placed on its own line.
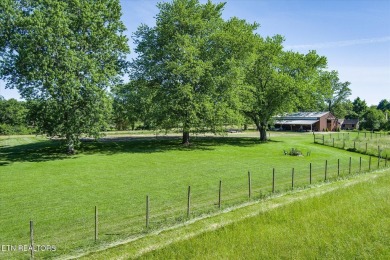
x=349 y=220
x=58 y=192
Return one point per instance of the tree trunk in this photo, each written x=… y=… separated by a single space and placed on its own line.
x=186 y=138
x=262 y=128
x=70 y=144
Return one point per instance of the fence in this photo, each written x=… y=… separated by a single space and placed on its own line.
x=374 y=144
x=97 y=227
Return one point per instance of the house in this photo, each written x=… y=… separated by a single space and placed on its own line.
x=306 y=121
x=348 y=124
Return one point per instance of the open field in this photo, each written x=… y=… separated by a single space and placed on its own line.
x=344 y=220
x=59 y=193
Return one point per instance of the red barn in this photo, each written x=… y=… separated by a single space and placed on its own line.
x=306 y=121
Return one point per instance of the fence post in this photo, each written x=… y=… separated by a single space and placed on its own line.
x=369 y=164
x=249 y=184
x=96 y=223
x=220 y=194
x=326 y=168
x=379 y=151
x=338 y=167
x=333 y=142
x=360 y=164
x=354 y=145
x=314 y=136
x=32 y=238
x=379 y=159
x=273 y=180
x=350 y=165
x=188 y=201
x=310 y=175
x=292 y=179
x=323 y=139
x=147 y=211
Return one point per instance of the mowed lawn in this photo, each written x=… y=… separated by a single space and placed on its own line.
x=59 y=192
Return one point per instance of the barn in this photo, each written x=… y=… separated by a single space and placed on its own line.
x=306 y=121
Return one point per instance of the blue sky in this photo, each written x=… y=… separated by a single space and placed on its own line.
x=354 y=35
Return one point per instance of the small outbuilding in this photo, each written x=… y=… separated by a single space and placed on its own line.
x=348 y=124
x=306 y=121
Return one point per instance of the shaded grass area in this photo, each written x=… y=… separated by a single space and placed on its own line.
x=351 y=222
x=58 y=192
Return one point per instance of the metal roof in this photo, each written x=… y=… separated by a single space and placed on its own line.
x=301 y=116
x=295 y=122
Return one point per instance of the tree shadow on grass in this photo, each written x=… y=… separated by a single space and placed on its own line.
x=51 y=150
x=33 y=152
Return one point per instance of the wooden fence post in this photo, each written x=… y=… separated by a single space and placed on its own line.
x=338 y=167
x=32 y=239
x=326 y=168
x=323 y=139
x=96 y=223
x=147 y=212
x=273 y=180
x=292 y=179
x=188 y=201
x=350 y=165
x=249 y=185
x=310 y=175
x=369 y=164
x=220 y=194
x=360 y=164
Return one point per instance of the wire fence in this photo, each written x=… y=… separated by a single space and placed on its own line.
x=369 y=143
x=136 y=217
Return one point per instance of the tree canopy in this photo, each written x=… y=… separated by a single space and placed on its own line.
x=64 y=55
x=279 y=81
x=191 y=64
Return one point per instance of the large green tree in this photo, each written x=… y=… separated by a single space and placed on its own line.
x=280 y=81
x=64 y=55
x=192 y=62
x=374 y=119
x=384 y=105
x=340 y=92
x=359 y=107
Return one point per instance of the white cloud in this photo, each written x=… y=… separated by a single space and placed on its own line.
x=340 y=43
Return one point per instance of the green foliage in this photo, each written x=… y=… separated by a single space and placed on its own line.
x=13 y=117
x=13 y=112
x=374 y=119
x=339 y=94
x=384 y=105
x=64 y=56
x=359 y=107
x=191 y=62
x=279 y=81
